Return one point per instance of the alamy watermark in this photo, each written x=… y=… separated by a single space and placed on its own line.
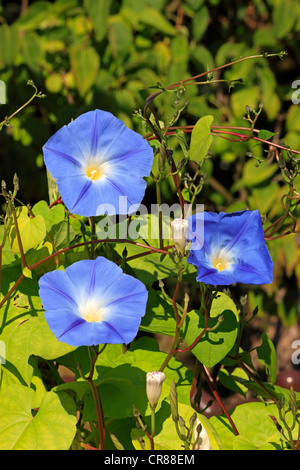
x=296 y=94
x=2 y=92
x=152 y=225
x=296 y=354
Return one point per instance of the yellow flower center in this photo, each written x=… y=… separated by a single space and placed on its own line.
x=221 y=262
x=94 y=172
x=91 y=312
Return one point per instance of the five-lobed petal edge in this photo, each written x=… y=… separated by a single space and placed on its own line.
x=95 y=160
x=231 y=248
x=93 y=302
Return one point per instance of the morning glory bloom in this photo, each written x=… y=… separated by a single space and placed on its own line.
x=95 y=160
x=93 y=302
x=231 y=248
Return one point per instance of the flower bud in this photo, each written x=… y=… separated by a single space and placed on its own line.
x=179 y=233
x=201 y=437
x=154 y=381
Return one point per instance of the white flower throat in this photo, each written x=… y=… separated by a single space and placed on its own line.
x=221 y=260
x=91 y=311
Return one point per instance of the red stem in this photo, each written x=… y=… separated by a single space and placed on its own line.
x=213 y=389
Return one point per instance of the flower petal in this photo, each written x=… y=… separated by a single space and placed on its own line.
x=96 y=160
x=93 y=302
x=238 y=240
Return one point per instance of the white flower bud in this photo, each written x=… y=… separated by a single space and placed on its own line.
x=154 y=381
x=179 y=233
x=203 y=439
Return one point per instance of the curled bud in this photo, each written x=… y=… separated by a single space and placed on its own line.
x=179 y=233
x=174 y=402
x=201 y=437
x=154 y=381
x=16 y=183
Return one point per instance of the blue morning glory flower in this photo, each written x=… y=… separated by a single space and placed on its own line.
x=231 y=248
x=93 y=302
x=95 y=160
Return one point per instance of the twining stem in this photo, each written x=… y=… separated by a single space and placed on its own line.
x=96 y=397
x=214 y=391
x=21 y=107
x=99 y=411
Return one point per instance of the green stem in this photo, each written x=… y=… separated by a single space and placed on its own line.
x=21 y=107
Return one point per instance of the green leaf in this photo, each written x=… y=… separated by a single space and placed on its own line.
x=155 y=19
x=120 y=37
x=242 y=443
x=254 y=173
x=7 y=256
x=28 y=334
x=159 y=317
x=53 y=427
x=284 y=17
x=242 y=98
x=85 y=63
x=265 y=134
x=9 y=40
x=200 y=23
x=98 y=11
x=214 y=345
x=27 y=273
x=52 y=216
x=182 y=142
x=33 y=54
x=254 y=424
x=228 y=380
x=201 y=139
x=32 y=230
x=266 y=353
x=38 y=13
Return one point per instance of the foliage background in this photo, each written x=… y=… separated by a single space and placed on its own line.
x=106 y=54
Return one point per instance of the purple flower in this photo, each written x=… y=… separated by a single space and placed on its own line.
x=93 y=302
x=96 y=160
x=231 y=248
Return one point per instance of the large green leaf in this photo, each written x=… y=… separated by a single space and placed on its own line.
x=255 y=426
x=27 y=334
x=32 y=230
x=53 y=427
x=214 y=345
